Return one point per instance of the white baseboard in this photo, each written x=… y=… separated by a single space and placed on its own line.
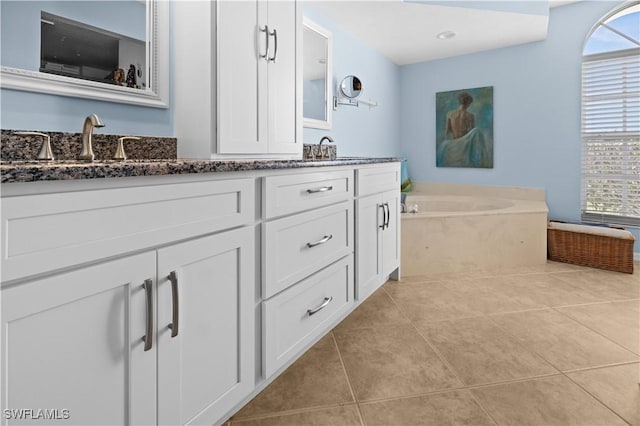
x=636 y=257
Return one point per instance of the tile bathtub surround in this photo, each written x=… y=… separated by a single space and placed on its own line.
x=67 y=146
x=557 y=346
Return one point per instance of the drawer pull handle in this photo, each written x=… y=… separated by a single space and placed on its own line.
x=322 y=189
x=148 y=337
x=322 y=241
x=324 y=304
x=174 y=299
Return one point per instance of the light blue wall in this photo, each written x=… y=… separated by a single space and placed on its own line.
x=361 y=131
x=35 y=111
x=536 y=111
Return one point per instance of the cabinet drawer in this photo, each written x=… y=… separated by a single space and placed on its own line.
x=297 y=246
x=289 y=321
x=50 y=231
x=298 y=192
x=370 y=180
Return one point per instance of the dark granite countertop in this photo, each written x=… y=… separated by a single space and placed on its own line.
x=33 y=171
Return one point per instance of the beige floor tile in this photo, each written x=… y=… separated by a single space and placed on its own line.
x=493 y=295
x=619 y=321
x=434 y=301
x=544 y=290
x=562 y=341
x=392 y=362
x=378 y=310
x=606 y=285
x=316 y=379
x=551 y=266
x=346 y=415
x=547 y=401
x=442 y=276
x=480 y=352
x=450 y=408
x=414 y=279
x=617 y=387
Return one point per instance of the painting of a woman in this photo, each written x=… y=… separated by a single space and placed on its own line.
x=465 y=141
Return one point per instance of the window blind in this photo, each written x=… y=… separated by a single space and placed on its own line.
x=611 y=137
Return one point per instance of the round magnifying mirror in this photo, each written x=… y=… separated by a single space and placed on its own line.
x=351 y=87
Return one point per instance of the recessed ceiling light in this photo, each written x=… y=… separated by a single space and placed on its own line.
x=445 y=35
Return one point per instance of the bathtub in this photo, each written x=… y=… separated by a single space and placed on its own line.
x=461 y=228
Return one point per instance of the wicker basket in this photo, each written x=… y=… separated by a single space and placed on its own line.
x=592 y=250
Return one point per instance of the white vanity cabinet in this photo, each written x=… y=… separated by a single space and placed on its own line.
x=377 y=227
x=72 y=336
x=226 y=292
x=237 y=78
x=73 y=341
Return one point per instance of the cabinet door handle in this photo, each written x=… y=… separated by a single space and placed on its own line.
x=175 y=303
x=384 y=216
x=322 y=241
x=148 y=337
x=275 y=45
x=322 y=189
x=324 y=304
x=386 y=223
x=265 y=30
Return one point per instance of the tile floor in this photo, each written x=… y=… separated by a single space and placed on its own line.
x=549 y=345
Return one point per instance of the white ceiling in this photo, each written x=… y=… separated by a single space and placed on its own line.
x=405 y=31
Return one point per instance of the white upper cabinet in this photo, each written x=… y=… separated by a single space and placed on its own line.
x=237 y=79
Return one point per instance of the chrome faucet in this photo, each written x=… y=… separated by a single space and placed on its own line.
x=324 y=138
x=87 y=130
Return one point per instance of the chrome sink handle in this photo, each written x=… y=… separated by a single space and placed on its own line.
x=120 y=154
x=45 y=151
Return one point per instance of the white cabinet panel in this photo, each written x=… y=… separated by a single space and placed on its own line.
x=368 y=247
x=305 y=191
x=46 y=232
x=207 y=367
x=74 y=342
x=240 y=75
x=297 y=316
x=284 y=88
x=377 y=227
x=391 y=235
x=376 y=179
x=296 y=246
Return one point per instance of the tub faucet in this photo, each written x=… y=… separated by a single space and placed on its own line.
x=87 y=130
x=324 y=138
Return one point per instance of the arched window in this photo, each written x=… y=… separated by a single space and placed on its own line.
x=611 y=119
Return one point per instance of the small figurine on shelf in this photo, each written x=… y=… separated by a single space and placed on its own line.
x=131 y=76
x=116 y=76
